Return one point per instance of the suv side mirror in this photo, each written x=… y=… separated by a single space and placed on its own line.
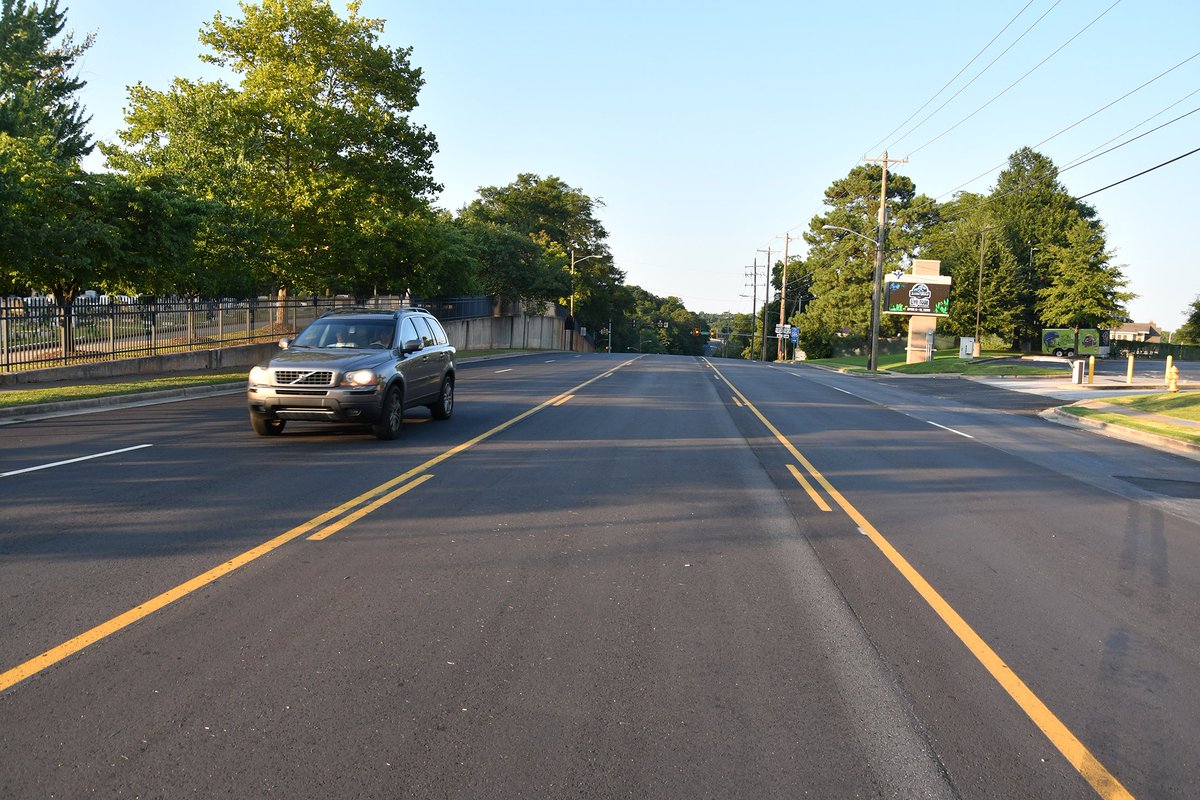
x=412 y=346
x=284 y=343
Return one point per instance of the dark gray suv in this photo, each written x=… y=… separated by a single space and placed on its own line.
x=356 y=365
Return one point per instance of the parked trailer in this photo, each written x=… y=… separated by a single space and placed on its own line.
x=1061 y=342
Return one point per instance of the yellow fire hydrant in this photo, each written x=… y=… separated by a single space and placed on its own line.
x=1172 y=378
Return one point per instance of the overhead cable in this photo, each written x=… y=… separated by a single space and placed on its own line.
x=1018 y=80
x=916 y=127
x=1140 y=174
x=957 y=74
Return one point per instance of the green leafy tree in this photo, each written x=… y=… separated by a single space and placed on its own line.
x=1033 y=212
x=983 y=295
x=842 y=265
x=42 y=137
x=654 y=324
x=1190 y=330
x=314 y=146
x=563 y=219
x=515 y=267
x=1085 y=289
x=37 y=80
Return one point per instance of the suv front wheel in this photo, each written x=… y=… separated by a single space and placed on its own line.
x=391 y=416
x=266 y=427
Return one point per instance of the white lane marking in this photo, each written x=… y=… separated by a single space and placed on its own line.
x=74 y=460
x=943 y=427
x=510 y=369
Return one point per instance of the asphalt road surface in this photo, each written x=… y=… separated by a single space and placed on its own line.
x=605 y=577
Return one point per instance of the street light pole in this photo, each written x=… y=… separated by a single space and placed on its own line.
x=575 y=261
x=574 y=326
x=873 y=356
x=977 y=350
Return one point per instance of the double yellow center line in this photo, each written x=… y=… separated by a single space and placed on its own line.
x=317 y=528
x=1102 y=781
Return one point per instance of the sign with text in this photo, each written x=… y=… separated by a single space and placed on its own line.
x=927 y=295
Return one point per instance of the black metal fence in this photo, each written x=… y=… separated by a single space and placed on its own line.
x=36 y=333
x=1120 y=348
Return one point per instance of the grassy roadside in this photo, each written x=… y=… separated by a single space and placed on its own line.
x=991 y=363
x=13 y=398
x=1157 y=413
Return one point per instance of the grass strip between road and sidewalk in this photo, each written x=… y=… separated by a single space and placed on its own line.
x=1164 y=406
x=12 y=398
x=996 y=364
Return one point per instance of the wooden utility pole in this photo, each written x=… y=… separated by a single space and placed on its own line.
x=766 y=305
x=754 y=305
x=880 y=245
x=783 y=296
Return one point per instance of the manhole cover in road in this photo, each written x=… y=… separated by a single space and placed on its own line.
x=1189 y=490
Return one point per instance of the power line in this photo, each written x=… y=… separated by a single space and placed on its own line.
x=1081 y=160
x=1094 y=113
x=1014 y=43
x=1018 y=80
x=1140 y=174
x=956 y=76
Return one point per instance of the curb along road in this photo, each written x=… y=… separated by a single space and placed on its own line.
x=1157 y=441
x=37 y=411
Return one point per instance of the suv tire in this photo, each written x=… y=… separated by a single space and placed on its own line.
x=391 y=415
x=444 y=406
x=266 y=427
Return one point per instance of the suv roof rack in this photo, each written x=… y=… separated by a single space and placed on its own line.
x=367 y=310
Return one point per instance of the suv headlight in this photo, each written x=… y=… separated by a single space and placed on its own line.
x=258 y=375
x=360 y=377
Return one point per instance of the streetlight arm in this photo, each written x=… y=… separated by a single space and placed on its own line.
x=575 y=261
x=852 y=233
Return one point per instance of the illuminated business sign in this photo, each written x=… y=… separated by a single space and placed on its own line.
x=927 y=295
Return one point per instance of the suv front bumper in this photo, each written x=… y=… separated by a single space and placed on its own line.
x=316 y=405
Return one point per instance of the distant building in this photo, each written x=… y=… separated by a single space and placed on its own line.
x=1138 y=332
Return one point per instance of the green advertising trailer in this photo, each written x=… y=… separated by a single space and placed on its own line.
x=1061 y=342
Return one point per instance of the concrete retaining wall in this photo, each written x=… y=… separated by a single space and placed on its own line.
x=514 y=333
x=246 y=355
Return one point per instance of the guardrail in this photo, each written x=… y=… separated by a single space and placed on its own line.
x=36 y=334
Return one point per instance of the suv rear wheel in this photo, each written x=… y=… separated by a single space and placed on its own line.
x=391 y=416
x=444 y=406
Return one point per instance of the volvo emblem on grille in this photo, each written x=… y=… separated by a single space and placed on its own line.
x=294 y=377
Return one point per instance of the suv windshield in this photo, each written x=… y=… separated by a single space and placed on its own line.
x=347 y=333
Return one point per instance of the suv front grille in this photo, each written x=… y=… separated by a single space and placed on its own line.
x=296 y=377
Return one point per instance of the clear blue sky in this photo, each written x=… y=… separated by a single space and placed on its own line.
x=711 y=130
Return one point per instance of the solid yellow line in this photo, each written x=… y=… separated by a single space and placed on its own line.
x=350 y=519
x=16 y=674
x=816 y=498
x=1102 y=781
x=105 y=629
x=565 y=399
